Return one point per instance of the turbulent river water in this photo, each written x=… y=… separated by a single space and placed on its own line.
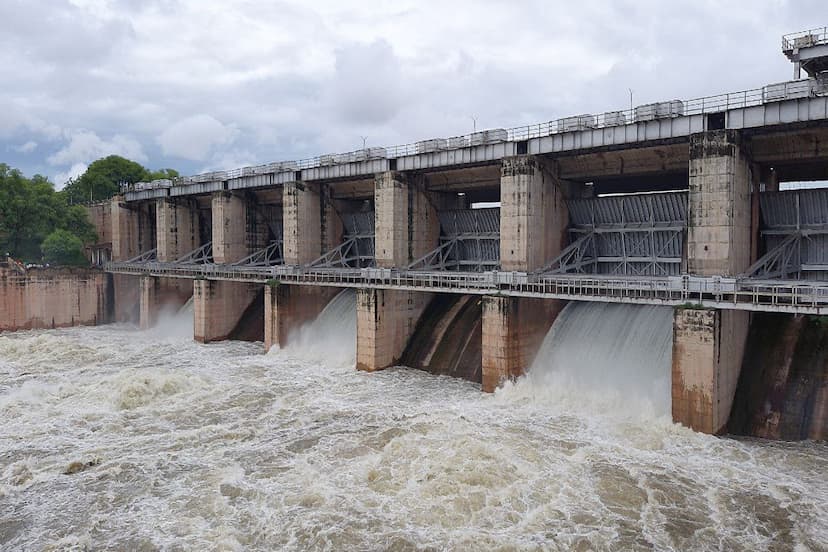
x=117 y=439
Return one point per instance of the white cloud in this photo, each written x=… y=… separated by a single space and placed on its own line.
x=86 y=146
x=28 y=147
x=193 y=138
x=61 y=178
x=289 y=79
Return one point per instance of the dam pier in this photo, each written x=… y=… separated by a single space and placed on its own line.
x=489 y=235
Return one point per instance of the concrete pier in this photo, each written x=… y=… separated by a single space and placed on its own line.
x=707 y=358
x=407 y=226
x=178 y=228
x=513 y=330
x=708 y=344
x=386 y=319
x=229 y=217
x=218 y=307
x=533 y=215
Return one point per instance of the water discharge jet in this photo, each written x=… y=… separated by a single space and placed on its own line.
x=617 y=355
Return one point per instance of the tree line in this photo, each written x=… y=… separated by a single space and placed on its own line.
x=41 y=225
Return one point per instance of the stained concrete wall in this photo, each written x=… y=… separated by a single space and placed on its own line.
x=229 y=231
x=177 y=224
x=707 y=359
x=311 y=224
x=533 y=214
x=386 y=319
x=53 y=298
x=133 y=229
x=406 y=222
x=288 y=308
x=100 y=217
x=513 y=331
x=218 y=307
x=719 y=204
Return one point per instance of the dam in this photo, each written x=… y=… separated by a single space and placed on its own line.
x=622 y=286
x=461 y=252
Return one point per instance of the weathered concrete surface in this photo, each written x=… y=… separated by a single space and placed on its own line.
x=288 y=308
x=783 y=387
x=386 y=319
x=158 y=294
x=513 y=330
x=719 y=204
x=229 y=239
x=533 y=214
x=707 y=358
x=100 y=215
x=133 y=229
x=218 y=307
x=448 y=339
x=177 y=227
x=53 y=298
x=311 y=224
x=406 y=222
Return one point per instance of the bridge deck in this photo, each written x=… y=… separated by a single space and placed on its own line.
x=801 y=297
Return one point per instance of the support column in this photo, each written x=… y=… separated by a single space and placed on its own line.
x=288 y=308
x=406 y=223
x=229 y=228
x=302 y=222
x=149 y=302
x=386 y=319
x=218 y=307
x=719 y=221
x=533 y=214
x=177 y=228
x=126 y=231
x=513 y=331
x=707 y=359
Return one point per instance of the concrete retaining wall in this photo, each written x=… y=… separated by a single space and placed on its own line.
x=53 y=298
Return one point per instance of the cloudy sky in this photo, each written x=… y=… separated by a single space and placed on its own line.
x=216 y=84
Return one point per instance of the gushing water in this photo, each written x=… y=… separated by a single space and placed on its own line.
x=114 y=439
x=332 y=336
x=619 y=355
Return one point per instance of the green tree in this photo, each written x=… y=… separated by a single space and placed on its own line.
x=61 y=247
x=30 y=210
x=162 y=174
x=102 y=178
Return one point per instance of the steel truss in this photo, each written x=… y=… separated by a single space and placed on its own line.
x=450 y=254
x=269 y=256
x=202 y=255
x=145 y=257
x=348 y=254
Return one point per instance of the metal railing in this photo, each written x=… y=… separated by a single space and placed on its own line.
x=807 y=297
x=805 y=39
x=643 y=113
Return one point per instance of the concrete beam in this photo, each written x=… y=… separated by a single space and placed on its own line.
x=406 y=223
x=719 y=204
x=513 y=331
x=218 y=307
x=177 y=225
x=533 y=214
x=707 y=357
x=288 y=308
x=386 y=319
